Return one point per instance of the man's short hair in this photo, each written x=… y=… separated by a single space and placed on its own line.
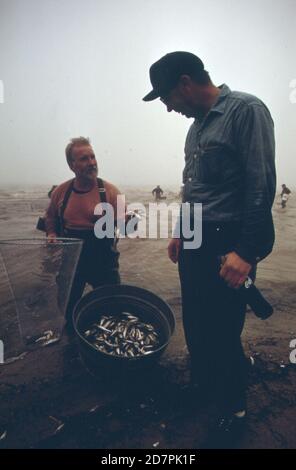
x=74 y=142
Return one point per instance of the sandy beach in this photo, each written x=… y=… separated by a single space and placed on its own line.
x=50 y=387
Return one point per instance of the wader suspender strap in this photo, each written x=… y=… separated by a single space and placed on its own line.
x=63 y=207
x=102 y=192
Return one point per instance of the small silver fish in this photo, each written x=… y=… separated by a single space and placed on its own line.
x=124 y=335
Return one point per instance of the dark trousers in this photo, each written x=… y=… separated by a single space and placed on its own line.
x=98 y=266
x=213 y=318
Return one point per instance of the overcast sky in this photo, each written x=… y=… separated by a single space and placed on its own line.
x=80 y=67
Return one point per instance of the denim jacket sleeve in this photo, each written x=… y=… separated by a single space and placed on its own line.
x=254 y=136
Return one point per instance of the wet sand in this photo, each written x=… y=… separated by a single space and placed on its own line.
x=51 y=387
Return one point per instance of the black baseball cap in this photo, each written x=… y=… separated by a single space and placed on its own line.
x=166 y=72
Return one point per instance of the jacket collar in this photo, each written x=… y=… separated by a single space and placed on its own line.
x=219 y=106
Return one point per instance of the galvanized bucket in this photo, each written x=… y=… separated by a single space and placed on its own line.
x=112 y=300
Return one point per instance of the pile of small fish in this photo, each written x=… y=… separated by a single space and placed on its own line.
x=124 y=335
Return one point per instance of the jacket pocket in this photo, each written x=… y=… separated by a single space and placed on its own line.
x=210 y=164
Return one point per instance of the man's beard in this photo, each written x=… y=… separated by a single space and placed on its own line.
x=91 y=172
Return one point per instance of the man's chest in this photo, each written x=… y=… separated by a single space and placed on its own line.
x=82 y=205
x=210 y=151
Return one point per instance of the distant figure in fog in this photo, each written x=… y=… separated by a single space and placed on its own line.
x=157 y=192
x=181 y=192
x=51 y=190
x=285 y=195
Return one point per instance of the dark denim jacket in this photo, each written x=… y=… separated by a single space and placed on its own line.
x=230 y=169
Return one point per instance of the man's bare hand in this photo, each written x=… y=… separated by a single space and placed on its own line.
x=174 y=248
x=51 y=238
x=234 y=270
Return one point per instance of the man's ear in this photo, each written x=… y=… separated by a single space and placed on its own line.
x=185 y=80
x=185 y=83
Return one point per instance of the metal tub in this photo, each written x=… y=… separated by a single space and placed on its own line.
x=112 y=300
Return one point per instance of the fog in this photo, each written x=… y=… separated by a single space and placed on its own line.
x=73 y=67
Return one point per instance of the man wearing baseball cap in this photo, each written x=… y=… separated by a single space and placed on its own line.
x=230 y=170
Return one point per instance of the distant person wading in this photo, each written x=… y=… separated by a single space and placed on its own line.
x=157 y=193
x=51 y=190
x=285 y=195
